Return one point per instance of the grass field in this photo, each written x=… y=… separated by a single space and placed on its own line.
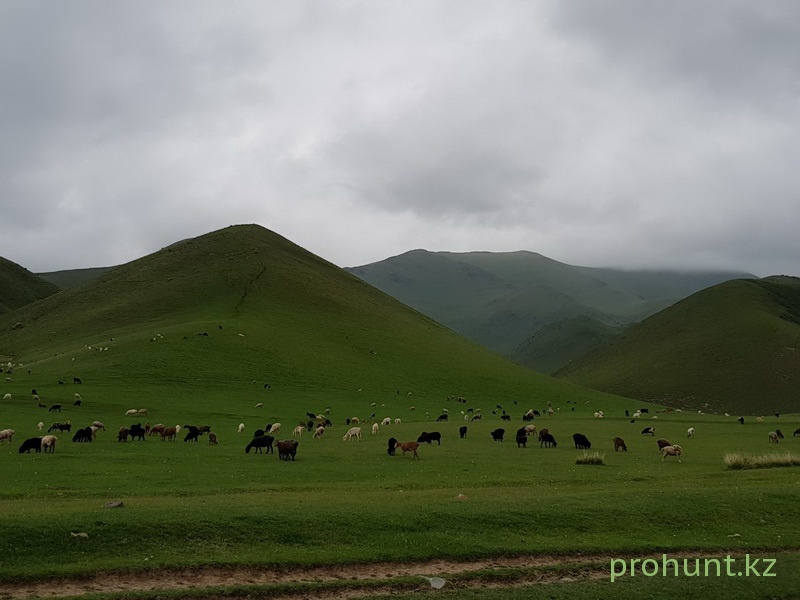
x=193 y=505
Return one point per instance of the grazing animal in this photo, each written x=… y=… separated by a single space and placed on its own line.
x=259 y=443
x=7 y=397
x=442 y=417
x=462 y=431
x=796 y=432
x=49 y=443
x=287 y=449
x=274 y=428
x=649 y=431
x=157 y=429
x=663 y=443
x=671 y=451
x=31 y=444
x=426 y=437
x=7 y=435
x=780 y=433
x=100 y=425
x=298 y=431
x=169 y=433
x=212 y=438
x=741 y=420
x=241 y=428
x=546 y=440
x=497 y=434
x=522 y=438
x=137 y=431
x=130 y=412
x=619 y=443
x=392 y=446
x=54 y=408
x=83 y=435
x=773 y=437
x=690 y=432
x=319 y=431
x=192 y=433
x=581 y=441
x=476 y=417
x=353 y=432
x=386 y=421
x=65 y=426
x=408 y=447
x=77 y=380
x=122 y=434
x=40 y=426
x=260 y=405
x=374 y=429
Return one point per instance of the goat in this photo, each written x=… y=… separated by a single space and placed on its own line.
x=408 y=447
x=259 y=443
x=619 y=443
x=671 y=451
x=287 y=449
x=353 y=432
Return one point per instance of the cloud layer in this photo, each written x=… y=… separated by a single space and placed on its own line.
x=636 y=134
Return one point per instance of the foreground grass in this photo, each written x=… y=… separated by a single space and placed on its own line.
x=738 y=460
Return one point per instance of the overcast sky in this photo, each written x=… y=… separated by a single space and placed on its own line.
x=598 y=133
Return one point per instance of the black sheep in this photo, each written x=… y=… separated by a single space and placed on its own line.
x=581 y=441
x=259 y=443
x=31 y=444
x=546 y=440
x=83 y=435
x=497 y=434
x=430 y=437
x=462 y=431
x=137 y=431
x=391 y=448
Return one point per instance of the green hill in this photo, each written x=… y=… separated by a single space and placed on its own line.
x=226 y=313
x=19 y=287
x=501 y=300
x=733 y=347
x=73 y=277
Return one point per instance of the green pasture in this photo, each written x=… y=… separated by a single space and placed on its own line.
x=188 y=504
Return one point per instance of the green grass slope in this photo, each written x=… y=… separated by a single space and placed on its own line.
x=19 y=287
x=501 y=300
x=272 y=313
x=73 y=277
x=733 y=347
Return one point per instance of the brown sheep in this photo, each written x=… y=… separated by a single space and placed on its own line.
x=671 y=451
x=619 y=443
x=409 y=447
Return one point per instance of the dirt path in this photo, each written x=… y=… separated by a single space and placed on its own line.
x=343 y=581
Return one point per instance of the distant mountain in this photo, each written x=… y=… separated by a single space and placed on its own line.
x=73 y=277
x=732 y=347
x=504 y=300
x=19 y=287
x=243 y=305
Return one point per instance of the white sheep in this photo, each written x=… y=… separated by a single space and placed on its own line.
x=240 y=428
x=40 y=426
x=690 y=432
x=354 y=420
x=7 y=397
x=397 y=421
x=374 y=429
x=298 y=431
x=599 y=414
x=49 y=443
x=130 y=412
x=386 y=421
x=6 y=434
x=260 y=405
x=276 y=427
x=353 y=432
x=142 y=412
x=773 y=437
x=319 y=431
x=671 y=451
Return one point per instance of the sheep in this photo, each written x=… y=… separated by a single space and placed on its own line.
x=212 y=438
x=142 y=412
x=100 y=425
x=259 y=443
x=599 y=414
x=157 y=429
x=65 y=426
x=442 y=417
x=31 y=444
x=619 y=443
x=298 y=431
x=260 y=405
x=773 y=437
x=355 y=420
x=408 y=447
x=353 y=432
x=274 y=428
x=581 y=441
x=94 y=431
x=392 y=446
x=386 y=421
x=137 y=431
x=54 y=408
x=690 y=432
x=671 y=451
x=462 y=431
x=522 y=438
x=426 y=437
x=40 y=426
x=319 y=431
x=530 y=429
x=374 y=429
x=780 y=433
x=192 y=433
x=169 y=433
x=83 y=435
x=649 y=431
x=122 y=434
x=130 y=412
x=240 y=429
x=397 y=421
x=7 y=434
x=287 y=449
x=49 y=443
x=796 y=432
x=546 y=440
x=663 y=443
x=7 y=397
x=497 y=434
x=741 y=420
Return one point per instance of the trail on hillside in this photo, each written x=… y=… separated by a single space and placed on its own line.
x=336 y=581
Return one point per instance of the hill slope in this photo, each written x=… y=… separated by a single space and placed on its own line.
x=241 y=307
x=73 y=277
x=734 y=347
x=19 y=287
x=501 y=300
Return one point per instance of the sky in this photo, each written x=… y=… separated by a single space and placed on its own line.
x=631 y=134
